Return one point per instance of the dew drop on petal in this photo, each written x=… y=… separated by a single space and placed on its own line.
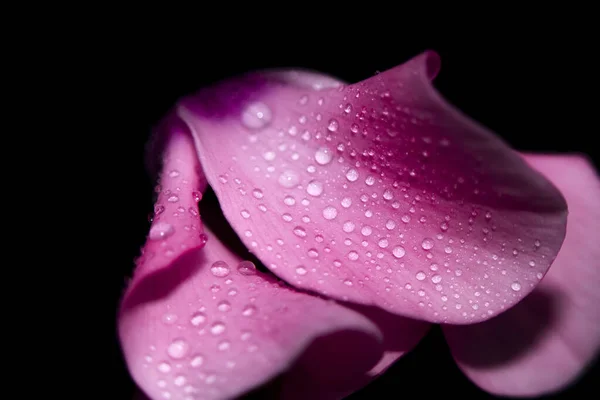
x=301 y=271
x=333 y=125
x=352 y=175
x=178 y=348
x=161 y=230
x=427 y=244
x=398 y=252
x=217 y=328
x=323 y=156
x=314 y=188
x=246 y=268
x=220 y=269
x=289 y=179
x=516 y=286
x=330 y=212
x=256 y=115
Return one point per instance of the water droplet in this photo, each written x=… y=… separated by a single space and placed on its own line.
x=333 y=125
x=220 y=269
x=164 y=367
x=224 y=345
x=348 y=282
x=346 y=202
x=246 y=268
x=398 y=252
x=173 y=199
x=269 y=155
x=256 y=115
x=383 y=243
x=532 y=263
x=169 y=318
x=161 y=230
x=405 y=218
x=198 y=319
x=366 y=230
x=245 y=214
x=179 y=380
x=257 y=193
x=388 y=194
x=427 y=244
x=348 y=226
x=352 y=175
x=323 y=156
x=314 y=188
x=370 y=181
x=174 y=174
x=217 y=328
x=289 y=179
x=197 y=361
x=301 y=271
x=353 y=256
x=286 y=217
x=299 y=231
x=436 y=278
x=390 y=224
x=516 y=286
x=289 y=201
x=224 y=306
x=420 y=275
x=249 y=310
x=330 y=212
x=178 y=348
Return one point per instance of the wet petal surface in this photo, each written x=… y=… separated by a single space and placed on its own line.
x=548 y=339
x=379 y=193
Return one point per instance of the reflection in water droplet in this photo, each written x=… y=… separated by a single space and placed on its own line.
x=420 y=275
x=314 y=188
x=161 y=230
x=198 y=319
x=323 y=156
x=330 y=213
x=333 y=125
x=246 y=268
x=256 y=116
x=427 y=244
x=289 y=200
x=217 y=328
x=299 y=231
x=178 y=348
x=398 y=252
x=164 y=367
x=301 y=271
x=197 y=360
x=516 y=286
x=224 y=306
x=220 y=269
x=289 y=179
x=249 y=310
x=352 y=175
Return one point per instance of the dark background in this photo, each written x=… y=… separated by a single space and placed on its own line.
x=527 y=86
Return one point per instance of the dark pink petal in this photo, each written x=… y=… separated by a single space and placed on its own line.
x=548 y=339
x=379 y=193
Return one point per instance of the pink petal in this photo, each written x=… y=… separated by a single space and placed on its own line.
x=379 y=193
x=546 y=341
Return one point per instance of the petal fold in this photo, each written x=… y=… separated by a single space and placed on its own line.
x=547 y=340
x=379 y=193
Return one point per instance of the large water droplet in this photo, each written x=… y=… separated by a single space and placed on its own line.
x=289 y=179
x=246 y=268
x=161 y=230
x=398 y=252
x=178 y=348
x=516 y=286
x=217 y=328
x=220 y=269
x=198 y=319
x=314 y=188
x=256 y=115
x=330 y=212
x=333 y=125
x=352 y=175
x=420 y=275
x=224 y=306
x=289 y=200
x=323 y=156
x=348 y=226
x=427 y=244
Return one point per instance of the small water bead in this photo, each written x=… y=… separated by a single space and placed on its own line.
x=262 y=207
x=427 y=244
x=398 y=252
x=217 y=328
x=256 y=115
x=352 y=175
x=405 y=218
x=532 y=263
x=178 y=348
x=301 y=271
x=299 y=231
x=346 y=202
x=220 y=269
x=323 y=156
x=448 y=249
x=348 y=108
x=246 y=268
x=436 y=279
x=383 y=243
x=333 y=125
x=269 y=155
x=330 y=212
x=348 y=226
x=516 y=286
x=370 y=181
x=366 y=230
x=224 y=345
x=257 y=193
x=286 y=217
x=289 y=179
x=289 y=201
x=390 y=224
x=161 y=230
x=245 y=214
x=197 y=360
x=173 y=199
x=314 y=188
x=420 y=275
x=164 y=367
x=174 y=174
x=249 y=311
x=388 y=195
x=198 y=319
x=348 y=282
x=169 y=318
x=354 y=128
x=179 y=380
x=224 y=306
x=444 y=226
x=353 y=256
x=313 y=253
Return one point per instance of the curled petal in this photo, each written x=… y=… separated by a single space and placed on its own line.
x=379 y=193
x=548 y=339
x=197 y=322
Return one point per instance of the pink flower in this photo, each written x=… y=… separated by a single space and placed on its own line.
x=383 y=209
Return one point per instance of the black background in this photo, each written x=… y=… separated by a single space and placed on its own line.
x=528 y=86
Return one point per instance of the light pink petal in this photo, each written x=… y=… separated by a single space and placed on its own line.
x=196 y=322
x=379 y=193
x=548 y=339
